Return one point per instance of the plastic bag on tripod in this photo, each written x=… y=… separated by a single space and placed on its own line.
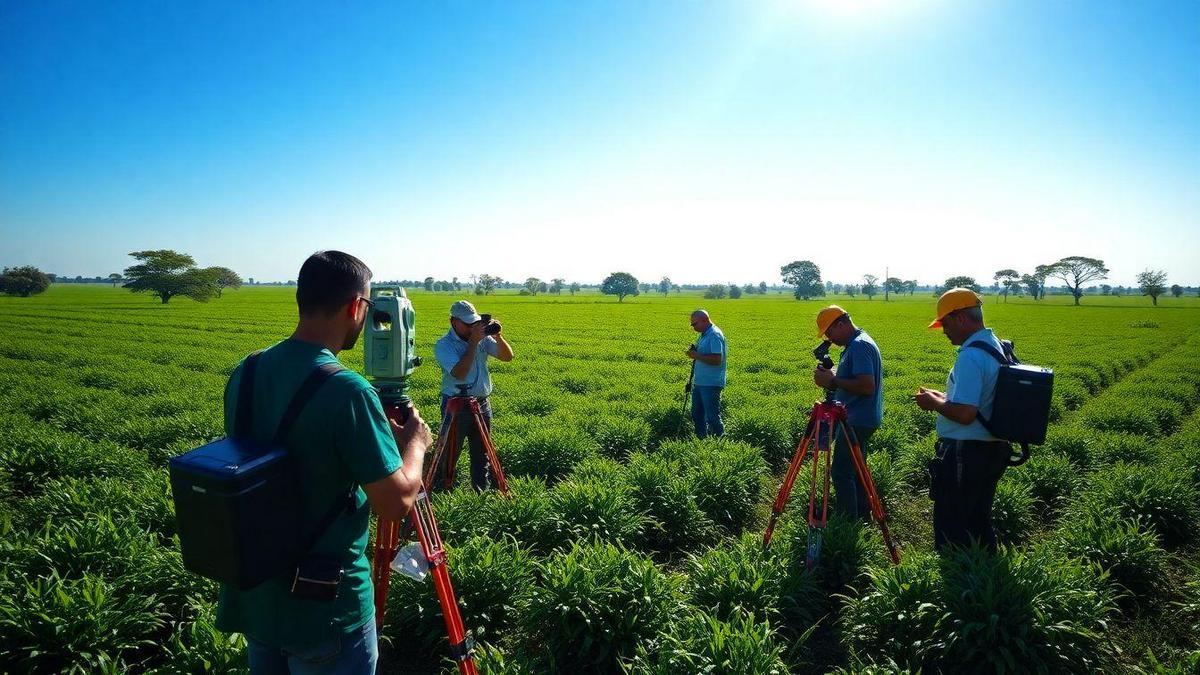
x=411 y=561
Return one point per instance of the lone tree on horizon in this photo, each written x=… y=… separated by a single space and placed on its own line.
x=1008 y=280
x=805 y=276
x=1152 y=283
x=224 y=278
x=958 y=282
x=620 y=284
x=869 y=288
x=166 y=274
x=1077 y=270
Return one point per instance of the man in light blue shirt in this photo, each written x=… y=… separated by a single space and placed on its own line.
x=708 y=362
x=969 y=461
x=463 y=353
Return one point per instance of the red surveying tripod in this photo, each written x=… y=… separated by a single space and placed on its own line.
x=828 y=418
x=421 y=521
x=447 y=450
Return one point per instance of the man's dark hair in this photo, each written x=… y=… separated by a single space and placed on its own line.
x=328 y=280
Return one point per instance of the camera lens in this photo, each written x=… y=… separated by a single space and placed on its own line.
x=492 y=328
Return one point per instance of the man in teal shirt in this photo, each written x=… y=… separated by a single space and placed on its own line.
x=709 y=357
x=341 y=440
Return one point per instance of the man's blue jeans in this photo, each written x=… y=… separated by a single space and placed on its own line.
x=706 y=411
x=354 y=653
x=851 y=498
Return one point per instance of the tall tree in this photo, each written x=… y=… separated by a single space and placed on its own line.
x=1008 y=280
x=166 y=274
x=457 y=285
x=1077 y=270
x=574 y=287
x=805 y=276
x=486 y=283
x=1176 y=290
x=23 y=281
x=715 y=292
x=893 y=285
x=664 y=285
x=869 y=288
x=224 y=278
x=911 y=286
x=762 y=288
x=620 y=284
x=428 y=283
x=1152 y=283
x=735 y=291
x=115 y=279
x=557 y=286
x=960 y=282
x=533 y=285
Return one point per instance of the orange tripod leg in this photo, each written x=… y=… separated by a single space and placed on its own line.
x=789 y=481
x=489 y=448
x=435 y=554
x=868 y=485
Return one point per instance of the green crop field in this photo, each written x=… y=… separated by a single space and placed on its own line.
x=626 y=543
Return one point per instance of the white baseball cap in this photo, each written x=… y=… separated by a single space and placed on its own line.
x=464 y=311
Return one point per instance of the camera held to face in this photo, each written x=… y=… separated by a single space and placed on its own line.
x=493 y=327
x=821 y=354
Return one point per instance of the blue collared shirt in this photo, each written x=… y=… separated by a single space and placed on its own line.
x=972 y=381
x=861 y=357
x=449 y=351
x=712 y=341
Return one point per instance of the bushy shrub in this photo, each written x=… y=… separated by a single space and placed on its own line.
x=548 y=452
x=1124 y=548
x=145 y=501
x=533 y=404
x=595 y=605
x=595 y=510
x=1074 y=443
x=198 y=647
x=972 y=611
x=1046 y=613
x=1051 y=480
x=1012 y=512
x=1110 y=447
x=619 y=436
x=1112 y=415
x=766 y=430
x=1165 y=499
x=675 y=521
x=488 y=574
x=51 y=624
x=849 y=547
x=526 y=514
x=737 y=577
x=896 y=615
x=667 y=422
x=701 y=643
x=727 y=481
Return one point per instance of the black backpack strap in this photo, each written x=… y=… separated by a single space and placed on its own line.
x=300 y=399
x=345 y=501
x=244 y=417
x=993 y=352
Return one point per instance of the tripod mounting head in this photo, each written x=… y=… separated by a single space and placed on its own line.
x=821 y=354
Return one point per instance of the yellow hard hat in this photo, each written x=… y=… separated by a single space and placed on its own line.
x=826 y=317
x=953 y=300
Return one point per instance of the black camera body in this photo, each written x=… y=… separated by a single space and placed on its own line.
x=821 y=354
x=493 y=327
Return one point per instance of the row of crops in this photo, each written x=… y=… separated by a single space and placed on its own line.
x=627 y=544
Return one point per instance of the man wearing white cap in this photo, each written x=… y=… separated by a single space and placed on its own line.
x=463 y=353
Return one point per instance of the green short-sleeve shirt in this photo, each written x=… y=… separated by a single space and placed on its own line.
x=341 y=437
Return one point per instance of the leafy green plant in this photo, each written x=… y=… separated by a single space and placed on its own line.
x=548 y=452
x=619 y=436
x=896 y=615
x=1051 y=481
x=595 y=605
x=1166 y=500
x=737 y=578
x=675 y=521
x=593 y=509
x=1124 y=548
x=766 y=430
x=1012 y=511
x=701 y=643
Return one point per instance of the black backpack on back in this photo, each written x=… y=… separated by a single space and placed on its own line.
x=238 y=501
x=1021 y=409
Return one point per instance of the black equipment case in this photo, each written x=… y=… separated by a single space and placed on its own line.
x=1021 y=410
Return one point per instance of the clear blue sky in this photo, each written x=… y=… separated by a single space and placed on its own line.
x=709 y=141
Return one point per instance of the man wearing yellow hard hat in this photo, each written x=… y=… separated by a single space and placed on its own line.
x=858 y=384
x=969 y=461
